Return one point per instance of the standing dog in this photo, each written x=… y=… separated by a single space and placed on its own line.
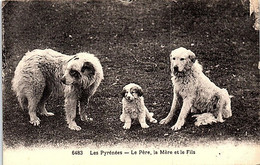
x=194 y=90
x=133 y=107
x=42 y=72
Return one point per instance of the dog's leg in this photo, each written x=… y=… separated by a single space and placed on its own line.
x=128 y=121
x=70 y=109
x=220 y=106
x=183 y=114
x=227 y=112
x=172 y=111
x=142 y=121
x=150 y=116
x=83 y=105
x=32 y=105
x=122 y=116
x=46 y=93
x=23 y=101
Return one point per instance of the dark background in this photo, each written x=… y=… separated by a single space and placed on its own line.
x=133 y=43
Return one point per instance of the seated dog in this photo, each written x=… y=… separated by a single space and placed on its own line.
x=196 y=92
x=133 y=107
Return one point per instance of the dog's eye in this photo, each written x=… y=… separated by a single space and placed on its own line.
x=173 y=58
x=182 y=59
x=74 y=73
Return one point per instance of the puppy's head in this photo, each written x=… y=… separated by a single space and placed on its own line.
x=79 y=70
x=181 y=60
x=131 y=92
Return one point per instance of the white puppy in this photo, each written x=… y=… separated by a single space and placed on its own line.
x=42 y=72
x=133 y=107
x=195 y=91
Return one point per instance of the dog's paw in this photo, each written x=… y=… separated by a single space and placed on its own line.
x=35 y=122
x=164 y=121
x=126 y=126
x=177 y=126
x=144 y=125
x=86 y=118
x=48 y=114
x=220 y=120
x=74 y=127
x=153 y=120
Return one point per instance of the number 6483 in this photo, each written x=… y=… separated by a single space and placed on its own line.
x=77 y=152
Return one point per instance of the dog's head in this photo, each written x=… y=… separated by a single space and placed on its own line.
x=79 y=70
x=131 y=92
x=181 y=60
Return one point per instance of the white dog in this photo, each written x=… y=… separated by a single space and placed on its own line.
x=133 y=107
x=195 y=91
x=42 y=72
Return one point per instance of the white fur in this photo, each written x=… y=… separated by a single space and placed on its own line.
x=195 y=90
x=40 y=72
x=134 y=107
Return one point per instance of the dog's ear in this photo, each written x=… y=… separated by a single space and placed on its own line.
x=139 y=92
x=89 y=67
x=192 y=56
x=123 y=93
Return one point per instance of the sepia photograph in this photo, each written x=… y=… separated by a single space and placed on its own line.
x=130 y=81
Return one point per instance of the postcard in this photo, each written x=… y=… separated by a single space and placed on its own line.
x=130 y=81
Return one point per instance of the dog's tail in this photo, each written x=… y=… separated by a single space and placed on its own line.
x=204 y=119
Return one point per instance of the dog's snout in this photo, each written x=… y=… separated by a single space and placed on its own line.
x=63 y=80
x=175 y=68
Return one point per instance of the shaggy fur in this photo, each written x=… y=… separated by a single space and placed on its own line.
x=42 y=72
x=194 y=90
x=133 y=107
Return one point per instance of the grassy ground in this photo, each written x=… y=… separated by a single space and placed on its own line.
x=133 y=43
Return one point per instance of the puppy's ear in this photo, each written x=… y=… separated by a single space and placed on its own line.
x=123 y=93
x=192 y=56
x=87 y=66
x=139 y=92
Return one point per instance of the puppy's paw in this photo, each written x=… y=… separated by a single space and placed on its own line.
x=153 y=120
x=127 y=126
x=35 y=122
x=74 y=127
x=164 y=121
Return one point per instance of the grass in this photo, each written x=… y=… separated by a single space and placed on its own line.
x=133 y=43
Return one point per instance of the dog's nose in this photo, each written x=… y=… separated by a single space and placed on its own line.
x=176 y=69
x=63 y=80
